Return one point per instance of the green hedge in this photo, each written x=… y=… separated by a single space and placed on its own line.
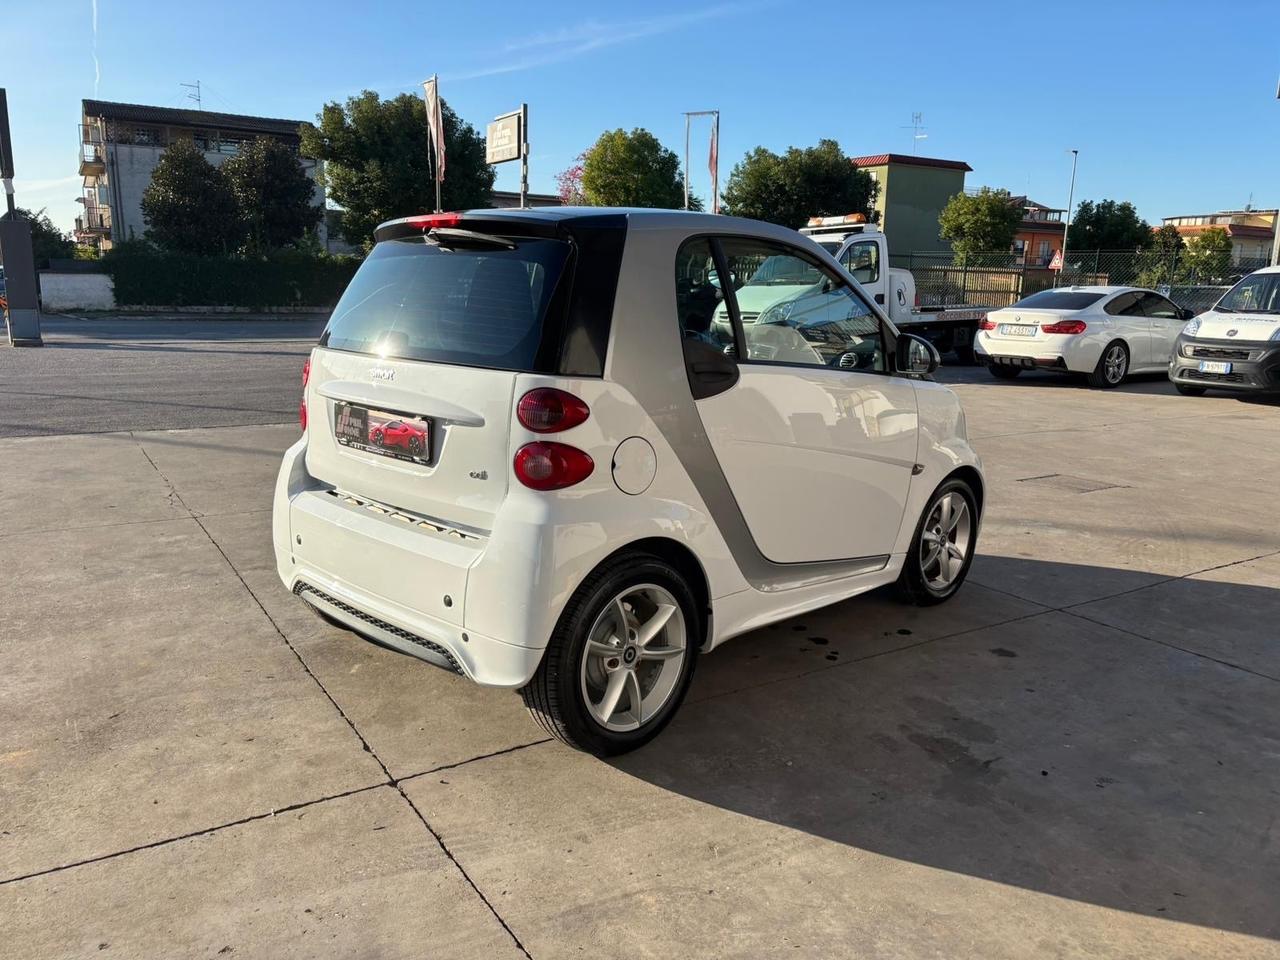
x=145 y=276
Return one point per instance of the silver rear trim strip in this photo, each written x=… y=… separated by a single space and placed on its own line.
x=387 y=634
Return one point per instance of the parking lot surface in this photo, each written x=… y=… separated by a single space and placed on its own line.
x=1078 y=756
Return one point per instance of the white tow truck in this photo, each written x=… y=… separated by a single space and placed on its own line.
x=862 y=249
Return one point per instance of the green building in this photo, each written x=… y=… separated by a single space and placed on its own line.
x=913 y=191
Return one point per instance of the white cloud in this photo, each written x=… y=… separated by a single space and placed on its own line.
x=566 y=43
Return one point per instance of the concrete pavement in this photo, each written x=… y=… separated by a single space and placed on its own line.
x=1077 y=757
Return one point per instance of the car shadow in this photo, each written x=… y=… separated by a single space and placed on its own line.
x=1060 y=752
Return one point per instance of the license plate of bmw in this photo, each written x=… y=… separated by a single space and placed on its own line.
x=1018 y=329
x=382 y=432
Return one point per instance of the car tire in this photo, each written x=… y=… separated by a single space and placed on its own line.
x=1112 y=368
x=924 y=580
x=1003 y=371
x=1189 y=391
x=378 y=438
x=636 y=587
x=415 y=446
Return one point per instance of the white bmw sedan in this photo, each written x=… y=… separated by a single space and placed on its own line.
x=1103 y=332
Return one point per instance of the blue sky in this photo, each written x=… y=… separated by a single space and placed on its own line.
x=1171 y=104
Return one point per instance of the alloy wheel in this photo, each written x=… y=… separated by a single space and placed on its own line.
x=1115 y=364
x=633 y=659
x=946 y=540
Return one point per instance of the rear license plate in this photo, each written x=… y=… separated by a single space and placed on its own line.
x=1214 y=366
x=381 y=432
x=1018 y=329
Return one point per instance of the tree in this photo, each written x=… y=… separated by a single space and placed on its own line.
x=189 y=205
x=631 y=170
x=274 y=194
x=47 y=241
x=378 y=166
x=1159 y=263
x=1107 y=225
x=1208 y=256
x=985 y=222
x=569 y=183
x=805 y=182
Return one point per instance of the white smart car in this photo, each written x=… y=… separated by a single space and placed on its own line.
x=530 y=456
x=1105 y=333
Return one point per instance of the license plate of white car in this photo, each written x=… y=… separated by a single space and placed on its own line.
x=1018 y=329
x=1214 y=366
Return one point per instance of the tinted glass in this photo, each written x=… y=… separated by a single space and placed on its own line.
x=1125 y=305
x=1060 y=300
x=478 y=307
x=813 y=320
x=699 y=299
x=863 y=261
x=1154 y=305
x=1256 y=293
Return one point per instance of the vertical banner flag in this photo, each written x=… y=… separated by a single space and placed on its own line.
x=435 y=124
x=713 y=164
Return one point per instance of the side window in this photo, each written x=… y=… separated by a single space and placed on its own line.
x=700 y=306
x=793 y=311
x=863 y=261
x=1155 y=305
x=1125 y=305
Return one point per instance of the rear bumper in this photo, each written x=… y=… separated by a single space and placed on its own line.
x=1259 y=373
x=1078 y=354
x=386 y=579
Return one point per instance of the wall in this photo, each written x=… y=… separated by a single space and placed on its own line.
x=129 y=169
x=914 y=198
x=63 y=292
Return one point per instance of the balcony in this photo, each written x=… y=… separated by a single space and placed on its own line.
x=92 y=153
x=95 y=222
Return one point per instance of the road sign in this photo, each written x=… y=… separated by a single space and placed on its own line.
x=1056 y=262
x=503 y=139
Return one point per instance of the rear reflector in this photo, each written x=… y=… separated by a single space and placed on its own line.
x=547 y=410
x=543 y=465
x=1065 y=326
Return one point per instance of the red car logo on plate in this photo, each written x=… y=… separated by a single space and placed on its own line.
x=397 y=433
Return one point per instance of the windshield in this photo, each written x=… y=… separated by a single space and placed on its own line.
x=1059 y=300
x=479 y=307
x=788 y=270
x=831 y=246
x=1256 y=293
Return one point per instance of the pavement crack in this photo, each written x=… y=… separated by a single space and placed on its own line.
x=483 y=756
x=444 y=847
x=273 y=812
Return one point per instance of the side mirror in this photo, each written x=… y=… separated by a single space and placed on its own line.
x=1186 y=314
x=917 y=355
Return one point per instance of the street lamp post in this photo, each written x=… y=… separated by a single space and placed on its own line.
x=1071 y=195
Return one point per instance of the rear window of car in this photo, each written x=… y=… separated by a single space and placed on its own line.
x=478 y=306
x=1060 y=300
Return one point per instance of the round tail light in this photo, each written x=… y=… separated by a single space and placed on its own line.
x=544 y=465
x=548 y=410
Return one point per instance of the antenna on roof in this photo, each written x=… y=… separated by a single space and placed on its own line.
x=195 y=92
x=916 y=126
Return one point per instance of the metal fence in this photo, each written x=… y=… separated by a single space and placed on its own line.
x=1001 y=279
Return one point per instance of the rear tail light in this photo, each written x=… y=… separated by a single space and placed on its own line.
x=1064 y=326
x=543 y=465
x=985 y=324
x=547 y=410
x=302 y=404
